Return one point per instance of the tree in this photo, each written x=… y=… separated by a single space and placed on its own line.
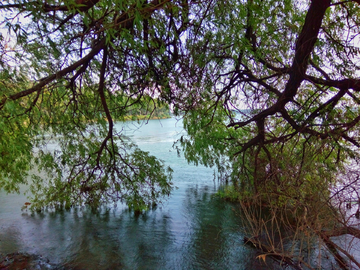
x=268 y=89
x=275 y=106
x=71 y=68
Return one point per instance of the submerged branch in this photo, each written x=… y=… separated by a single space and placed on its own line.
x=273 y=253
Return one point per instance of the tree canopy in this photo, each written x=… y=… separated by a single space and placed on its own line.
x=69 y=70
x=275 y=106
x=278 y=84
x=269 y=92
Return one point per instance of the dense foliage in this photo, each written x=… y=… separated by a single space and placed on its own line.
x=68 y=71
x=275 y=106
x=269 y=91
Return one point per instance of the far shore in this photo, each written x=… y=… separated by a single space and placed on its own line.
x=144 y=117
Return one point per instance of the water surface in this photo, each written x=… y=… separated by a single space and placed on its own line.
x=193 y=229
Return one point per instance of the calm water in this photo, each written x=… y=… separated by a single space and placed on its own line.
x=192 y=230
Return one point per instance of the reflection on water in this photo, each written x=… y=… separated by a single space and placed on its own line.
x=192 y=230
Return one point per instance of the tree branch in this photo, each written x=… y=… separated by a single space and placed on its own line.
x=304 y=47
x=44 y=81
x=122 y=22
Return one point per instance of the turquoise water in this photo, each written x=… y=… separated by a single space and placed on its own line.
x=193 y=229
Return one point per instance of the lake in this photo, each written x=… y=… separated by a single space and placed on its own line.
x=192 y=229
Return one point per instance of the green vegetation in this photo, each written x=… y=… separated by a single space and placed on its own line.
x=268 y=90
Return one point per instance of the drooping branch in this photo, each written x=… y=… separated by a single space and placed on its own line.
x=104 y=104
x=60 y=74
x=121 y=22
x=102 y=93
x=80 y=5
x=251 y=37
